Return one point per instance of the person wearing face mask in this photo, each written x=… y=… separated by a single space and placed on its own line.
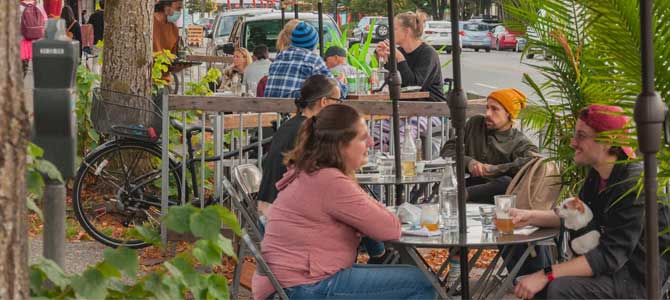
x=166 y=33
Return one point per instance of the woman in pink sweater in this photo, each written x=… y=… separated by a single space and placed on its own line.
x=320 y=214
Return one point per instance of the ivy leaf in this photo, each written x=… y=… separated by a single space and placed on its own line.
x=206 y=224
x=226 y=246
x=52 y=272
x=30 y=202
x=90 y=285
x=217 y=287
x=162 y=287
x=108 y=270
x=178 y=218
x=123 y=259
x=208 y=252
x=47 y=168
x=182 y=270
x=146 y=234
x=228 y=217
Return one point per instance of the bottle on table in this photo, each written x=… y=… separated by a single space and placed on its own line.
x=448 y=197
x=408 y=155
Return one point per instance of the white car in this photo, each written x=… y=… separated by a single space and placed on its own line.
x=438 y=34
x=223 y=24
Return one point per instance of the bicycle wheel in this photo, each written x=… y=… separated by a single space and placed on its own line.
x=117 y=187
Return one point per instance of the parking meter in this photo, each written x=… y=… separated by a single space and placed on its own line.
x=55 y=61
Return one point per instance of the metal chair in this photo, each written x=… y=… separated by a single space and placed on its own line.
x=248 y=178
x=248 y=220
x=263 y=266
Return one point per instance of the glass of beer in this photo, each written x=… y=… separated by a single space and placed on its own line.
x=430 y=217
x=503 y=219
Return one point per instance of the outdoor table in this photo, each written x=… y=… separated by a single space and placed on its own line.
x=476 y=238
x=372 y=179
x=387 y=97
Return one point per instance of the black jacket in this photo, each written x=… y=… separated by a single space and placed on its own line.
x=620 y=217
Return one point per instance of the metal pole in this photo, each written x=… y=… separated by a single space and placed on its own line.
x=394 y=91
x=457 y=106
x=295 y=8
x=649 y=115
x=283 y=16
x=320 y=8
x=54 y=221
x=165 y=155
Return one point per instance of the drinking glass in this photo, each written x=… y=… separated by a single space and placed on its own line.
x=430 y=217
x=487 y=213
x=385 y=165
x=503 y=220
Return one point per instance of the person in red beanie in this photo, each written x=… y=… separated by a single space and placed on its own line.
x=614 y=269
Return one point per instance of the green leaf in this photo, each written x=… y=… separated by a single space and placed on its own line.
x=206 y=223
x=208 y=252
x=53 y=272
x=124 y=259
x=162 y=287
x=35 y=151
x=90 y=285
x=183 y=271
x=30 y=202
x=227 y=246
x=227 y=216
x=48 y=169
x=108 y=270
x=217 y=287
x=146 y=234
x=178 y=218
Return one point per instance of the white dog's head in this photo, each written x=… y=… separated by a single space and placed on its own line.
x=575 y=213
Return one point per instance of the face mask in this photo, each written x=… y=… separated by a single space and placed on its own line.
x=174 y=17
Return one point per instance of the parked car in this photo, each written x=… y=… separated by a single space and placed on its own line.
x=475 y=36
x=503 y=39
x=249 y=31
x=438 y=34
x=222 y=26
x=380 y=31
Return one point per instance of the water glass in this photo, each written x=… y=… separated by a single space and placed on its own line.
x=487 y=213
x=503 y=220
x=385 y=165
x=448 y=198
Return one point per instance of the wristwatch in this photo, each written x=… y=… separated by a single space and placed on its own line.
x=549 y=272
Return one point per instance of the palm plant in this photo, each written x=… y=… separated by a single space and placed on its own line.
x=595 y=46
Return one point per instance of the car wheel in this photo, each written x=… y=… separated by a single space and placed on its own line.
x=530 y=55
x=476 y=49
x=488 y=50
x=448 y=50
x=497 y=45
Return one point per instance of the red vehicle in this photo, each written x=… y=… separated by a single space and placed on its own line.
x=503 y=39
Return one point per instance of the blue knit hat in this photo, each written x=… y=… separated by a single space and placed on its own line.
x=304 y=36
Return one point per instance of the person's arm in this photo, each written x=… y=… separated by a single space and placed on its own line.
x=521 y=155
x=349 y=204
x=449 y=147
x=539 y=218
x=321 y=68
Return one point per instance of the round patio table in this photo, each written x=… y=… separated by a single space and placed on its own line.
x=476 y=238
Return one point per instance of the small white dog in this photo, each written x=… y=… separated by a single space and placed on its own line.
x=578 y=219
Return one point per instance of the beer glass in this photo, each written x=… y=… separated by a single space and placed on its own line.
x=503 y=220
x=430 y=217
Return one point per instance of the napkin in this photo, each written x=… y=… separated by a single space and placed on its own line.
x=420 y=232
x=525 y=230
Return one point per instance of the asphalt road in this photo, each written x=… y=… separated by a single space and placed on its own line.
x=485 y=72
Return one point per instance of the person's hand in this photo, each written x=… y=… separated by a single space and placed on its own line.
x=383 y=50
x=478 y=169
x=342 y=78
x=264 y=208
x=398 y=55
x=531 y=285
x=520 y=217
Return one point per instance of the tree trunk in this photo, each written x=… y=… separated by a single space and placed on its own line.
x=14 y=134
x=127 y=55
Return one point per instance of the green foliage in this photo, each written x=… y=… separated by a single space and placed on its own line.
x=201 y=6
x=162 y=62
x=201 y=88
x=116 y=276
x=87 y=137
x=37 y=169
x=358 y=55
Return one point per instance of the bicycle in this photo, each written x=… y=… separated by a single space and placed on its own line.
x=118 y=184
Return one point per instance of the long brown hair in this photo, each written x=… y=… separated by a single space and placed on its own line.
x=284 y=39
x=321 y=137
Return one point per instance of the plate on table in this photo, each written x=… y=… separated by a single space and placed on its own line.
x=436 y=163
x=360 y=176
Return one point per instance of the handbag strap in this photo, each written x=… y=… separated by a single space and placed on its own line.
x=68 y=29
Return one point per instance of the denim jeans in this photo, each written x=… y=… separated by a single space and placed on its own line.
x=369 y=282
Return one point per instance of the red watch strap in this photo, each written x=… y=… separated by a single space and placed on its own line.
x=550 y=277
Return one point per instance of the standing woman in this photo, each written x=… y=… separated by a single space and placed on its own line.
x=72 y=28
x=418 y=63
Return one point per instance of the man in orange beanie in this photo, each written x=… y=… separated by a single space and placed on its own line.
x=494 y=151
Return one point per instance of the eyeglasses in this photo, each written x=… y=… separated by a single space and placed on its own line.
x=337 y=100
x=580 y=136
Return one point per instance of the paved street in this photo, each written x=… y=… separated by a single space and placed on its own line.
x=484 y=72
